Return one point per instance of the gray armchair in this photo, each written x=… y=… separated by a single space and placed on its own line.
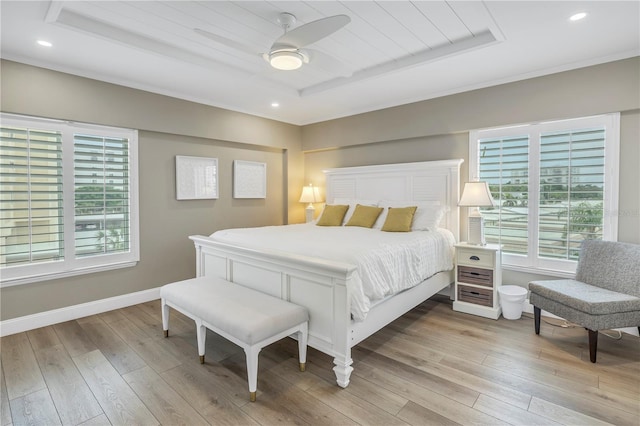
x=605 y=293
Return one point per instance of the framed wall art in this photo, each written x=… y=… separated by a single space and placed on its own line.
x=196 y=178
x=249 y=179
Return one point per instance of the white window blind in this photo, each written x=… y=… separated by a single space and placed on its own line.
x=572 y=176
x=555 y=185
x=68 y=199
x=101 y=194
x=504 y=163
x=31 y=202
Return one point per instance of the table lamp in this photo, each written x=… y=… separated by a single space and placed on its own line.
x=476 y=194
x=310 y=194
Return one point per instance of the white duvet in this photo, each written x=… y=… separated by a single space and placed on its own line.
x=387 y=262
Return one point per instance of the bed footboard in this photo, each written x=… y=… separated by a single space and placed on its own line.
x=319 y=285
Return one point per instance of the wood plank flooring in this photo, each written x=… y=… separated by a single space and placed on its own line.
x=432 y=366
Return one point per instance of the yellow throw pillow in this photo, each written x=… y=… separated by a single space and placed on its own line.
x=332 y=215
x=399 y=219
x=364 y=216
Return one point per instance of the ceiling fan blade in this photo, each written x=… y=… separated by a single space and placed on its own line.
x=226 y=42
x=327 y=63
x=313 y=31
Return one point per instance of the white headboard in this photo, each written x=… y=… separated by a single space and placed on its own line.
x=411 y=182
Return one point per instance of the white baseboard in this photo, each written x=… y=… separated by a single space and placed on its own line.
x=528 y=308
x=55 y=316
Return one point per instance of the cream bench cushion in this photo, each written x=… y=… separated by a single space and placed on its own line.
x=246 y=314
x=247 y=317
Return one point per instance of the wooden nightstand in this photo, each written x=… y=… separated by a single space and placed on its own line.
x=478 y=276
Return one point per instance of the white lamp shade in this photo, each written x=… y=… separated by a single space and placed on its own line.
x=476 y=194
x=310 y=194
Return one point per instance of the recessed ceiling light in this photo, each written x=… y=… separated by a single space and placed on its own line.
x=578 y=16
x=275 y=104
x=44 y=43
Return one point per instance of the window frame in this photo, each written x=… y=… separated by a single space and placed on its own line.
x=72 y=265
x=532 y=263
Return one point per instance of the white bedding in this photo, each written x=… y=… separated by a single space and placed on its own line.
x=387 y=262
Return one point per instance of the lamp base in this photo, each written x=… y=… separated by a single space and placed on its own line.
x=476 y=231
x=309 y=212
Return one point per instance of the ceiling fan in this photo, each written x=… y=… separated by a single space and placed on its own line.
x=287 y=53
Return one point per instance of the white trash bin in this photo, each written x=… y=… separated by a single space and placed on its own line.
x=511 y=299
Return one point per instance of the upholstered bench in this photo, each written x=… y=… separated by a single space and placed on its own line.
x=248 y=318
x=605 y=293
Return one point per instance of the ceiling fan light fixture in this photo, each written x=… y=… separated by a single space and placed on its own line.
x=286 y=60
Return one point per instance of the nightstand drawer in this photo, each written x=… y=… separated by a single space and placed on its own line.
x=475 y=257
x=475 y=295
x=478 y=276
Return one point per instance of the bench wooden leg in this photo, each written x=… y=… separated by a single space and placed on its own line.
x=593 y=344
x=251 y=353
x=201 y=332
x=303 y=336
x=165 y=317
x=536 y=319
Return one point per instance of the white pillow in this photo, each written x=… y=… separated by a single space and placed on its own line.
x=352 y=206
x=427 y=217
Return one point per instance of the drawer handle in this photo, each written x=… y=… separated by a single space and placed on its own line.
x=474 y=273
x=475 y=293
x=474 y=258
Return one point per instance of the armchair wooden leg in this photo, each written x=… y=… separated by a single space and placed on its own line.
x=593 y=344
x=536 y=319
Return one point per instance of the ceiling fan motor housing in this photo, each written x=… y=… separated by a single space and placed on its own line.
x=286 y=20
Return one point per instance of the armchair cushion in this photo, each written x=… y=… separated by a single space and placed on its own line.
x=585 y=298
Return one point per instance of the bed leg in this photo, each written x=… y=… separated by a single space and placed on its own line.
x=343 y=370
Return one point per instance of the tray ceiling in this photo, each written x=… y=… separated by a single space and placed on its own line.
x=391 y=53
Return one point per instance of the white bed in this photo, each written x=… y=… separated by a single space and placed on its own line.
x=324 y=286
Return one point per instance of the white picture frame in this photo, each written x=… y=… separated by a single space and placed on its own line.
x=249 y=179
x=196 y=178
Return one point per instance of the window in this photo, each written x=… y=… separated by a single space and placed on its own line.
x=555 y=184
x=60 y=214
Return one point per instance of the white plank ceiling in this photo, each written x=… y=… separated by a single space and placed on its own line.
x=391 y=53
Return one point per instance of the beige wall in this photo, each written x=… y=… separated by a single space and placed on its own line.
x=429 y=130
x=167 y=127
x=438 y=129
x=610 y=87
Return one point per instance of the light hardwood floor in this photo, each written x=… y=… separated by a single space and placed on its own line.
x=431 y=366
